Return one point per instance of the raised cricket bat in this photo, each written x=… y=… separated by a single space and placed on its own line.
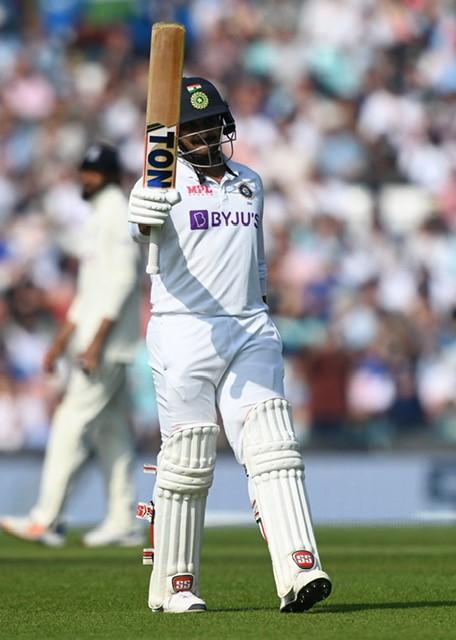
x=162 y=117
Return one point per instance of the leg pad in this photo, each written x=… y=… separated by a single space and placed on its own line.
x=274 y=464
x=185 y=473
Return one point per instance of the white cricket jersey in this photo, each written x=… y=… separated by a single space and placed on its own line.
x=211 y=247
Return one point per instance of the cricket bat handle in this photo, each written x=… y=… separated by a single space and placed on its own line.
x=152 y=261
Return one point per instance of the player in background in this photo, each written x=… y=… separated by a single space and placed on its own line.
x=101 y=333
x=212 y=345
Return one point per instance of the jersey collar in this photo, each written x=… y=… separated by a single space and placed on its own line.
x=232 y=173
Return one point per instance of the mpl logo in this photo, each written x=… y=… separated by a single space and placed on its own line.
x=304 y=559
x=201 y=219
x=199 y=190
x=183 y=582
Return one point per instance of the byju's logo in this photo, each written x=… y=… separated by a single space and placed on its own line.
x=203 y=219
x=199 y=219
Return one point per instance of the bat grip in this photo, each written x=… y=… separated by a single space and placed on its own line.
x=152 y=262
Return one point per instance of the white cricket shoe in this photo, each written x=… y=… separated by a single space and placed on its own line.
x=25 y=529
x=182 y=602
x=309 y=588
x=104 y=536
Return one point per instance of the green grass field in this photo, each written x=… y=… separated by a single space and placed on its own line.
x=388 y=583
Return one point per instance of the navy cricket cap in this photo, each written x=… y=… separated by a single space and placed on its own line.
x=200 y=99
x=101 y=157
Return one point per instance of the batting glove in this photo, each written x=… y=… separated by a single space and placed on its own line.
x=151 y=207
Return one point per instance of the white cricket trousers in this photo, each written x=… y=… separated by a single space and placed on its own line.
x=204 y=365
x=92 y=417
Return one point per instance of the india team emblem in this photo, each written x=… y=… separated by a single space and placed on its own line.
x=246 y=190
x=199 y=100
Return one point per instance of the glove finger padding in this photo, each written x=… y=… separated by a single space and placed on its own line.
x=172 y=196
x=139 y=215
x=151 y=206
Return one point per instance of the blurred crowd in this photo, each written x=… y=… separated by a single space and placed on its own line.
x=346 y=108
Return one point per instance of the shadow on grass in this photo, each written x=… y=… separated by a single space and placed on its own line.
x=347 y=608
x=240 y=609
x=350 y=608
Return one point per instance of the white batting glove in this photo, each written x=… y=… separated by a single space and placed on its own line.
x=151 y=207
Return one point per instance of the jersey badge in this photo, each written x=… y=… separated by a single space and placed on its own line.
x=245 y=190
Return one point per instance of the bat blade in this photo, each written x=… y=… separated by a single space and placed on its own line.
x=162 y=116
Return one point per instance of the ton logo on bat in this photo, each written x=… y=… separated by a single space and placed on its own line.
x=160 y=158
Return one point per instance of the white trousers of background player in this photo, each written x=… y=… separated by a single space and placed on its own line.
x=203 y=362
x=92 y=417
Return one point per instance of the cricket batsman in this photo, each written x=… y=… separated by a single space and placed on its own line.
x=213 y=346
x=100 y=333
